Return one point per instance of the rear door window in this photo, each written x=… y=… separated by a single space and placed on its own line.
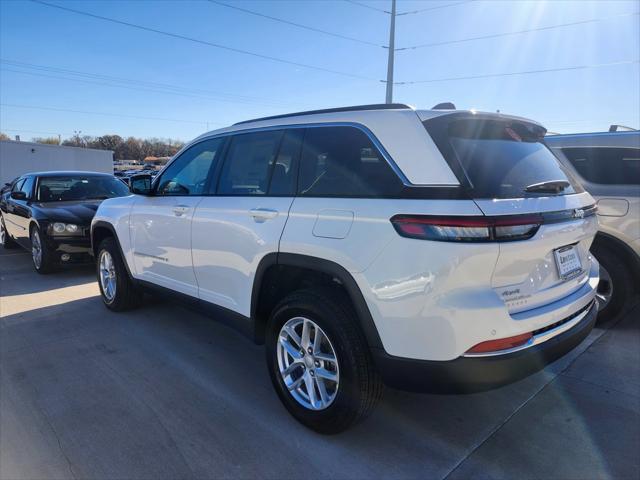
x=344 y=162
x=609 y=166
x=499 y=158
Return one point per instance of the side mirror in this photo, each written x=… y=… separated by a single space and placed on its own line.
x=18 y=195
x=140 y=184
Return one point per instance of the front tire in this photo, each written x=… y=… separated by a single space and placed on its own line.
x=319 y=361
x=5 y=239
x=41 y=254
x=116 y=287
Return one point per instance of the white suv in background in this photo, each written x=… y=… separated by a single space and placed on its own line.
x=429 y=250
x=608 y=165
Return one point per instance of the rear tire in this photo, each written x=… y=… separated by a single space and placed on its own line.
x=5 y=239
x=331 y=319
x=615 y=289
x=117 y=290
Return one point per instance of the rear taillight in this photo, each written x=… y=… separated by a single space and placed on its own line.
x=467 y=229
x=501 y=344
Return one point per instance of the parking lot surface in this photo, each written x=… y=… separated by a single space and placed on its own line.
x=162 y=392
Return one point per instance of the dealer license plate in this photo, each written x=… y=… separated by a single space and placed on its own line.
x=568 y=261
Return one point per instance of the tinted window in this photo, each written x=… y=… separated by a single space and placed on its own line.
x=27 y=186
x=72 y=188
x=189 y=173
x=284 y=175
x=606 y=165
x=17 y=185
x=247 y=166
x=342 y=161
x=499 y=158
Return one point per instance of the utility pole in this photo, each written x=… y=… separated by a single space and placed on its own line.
x=392 y=51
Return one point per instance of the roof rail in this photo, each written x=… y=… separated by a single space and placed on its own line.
x=621 y=128
x=378 y=106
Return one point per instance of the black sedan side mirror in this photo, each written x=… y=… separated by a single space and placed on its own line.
x=140 y=184
x=18 y=195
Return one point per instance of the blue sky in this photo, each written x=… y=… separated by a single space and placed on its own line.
x=145 y=84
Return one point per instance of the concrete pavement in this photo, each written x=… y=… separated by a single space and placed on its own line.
x=162 y=392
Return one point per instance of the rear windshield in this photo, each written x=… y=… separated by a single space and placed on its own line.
x=500 y=158
x=62 y=189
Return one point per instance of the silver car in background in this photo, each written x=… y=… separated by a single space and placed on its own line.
x=608 y=165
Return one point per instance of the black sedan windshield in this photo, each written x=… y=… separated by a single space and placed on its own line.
x=63 y=189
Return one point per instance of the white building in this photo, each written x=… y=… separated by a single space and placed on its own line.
x=17 y=158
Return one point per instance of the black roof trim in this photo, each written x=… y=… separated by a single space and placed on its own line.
x=377 y=106
x=67 y=173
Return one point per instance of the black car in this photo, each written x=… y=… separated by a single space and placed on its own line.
x=50 y=213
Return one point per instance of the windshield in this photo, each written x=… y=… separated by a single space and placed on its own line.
x=501 y=158
x=62 y=189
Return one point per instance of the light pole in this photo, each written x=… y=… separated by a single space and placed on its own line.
x=392 y=49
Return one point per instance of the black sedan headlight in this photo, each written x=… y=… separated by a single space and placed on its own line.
x=61 y=228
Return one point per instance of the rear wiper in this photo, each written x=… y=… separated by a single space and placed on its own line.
x=551 y=186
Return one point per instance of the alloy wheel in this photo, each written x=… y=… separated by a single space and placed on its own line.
x=308 y=363
x=107 y=276
x=3 y=232
x=36 y=249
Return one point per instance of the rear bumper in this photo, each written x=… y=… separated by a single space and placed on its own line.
x=475 y=374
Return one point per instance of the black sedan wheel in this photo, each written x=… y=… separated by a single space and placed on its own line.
x=40 y=253
x=5 y=239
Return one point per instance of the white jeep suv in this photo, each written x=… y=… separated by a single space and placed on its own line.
x=434 y=250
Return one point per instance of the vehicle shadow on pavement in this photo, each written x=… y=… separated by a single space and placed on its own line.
x=162 y=392
x=18 y=277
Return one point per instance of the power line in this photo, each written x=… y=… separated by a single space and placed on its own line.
x=287 y=22
x=435 y=8
x=91 y=82
x=40 y=132
x=139 y=89
x=203 y=42
x=527 y=72
x=109 y=114
x=139 y=85
x=518 y=32
x=364 y=5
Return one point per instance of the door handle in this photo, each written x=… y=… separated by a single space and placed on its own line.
x=263 y=214
x=180 y=210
